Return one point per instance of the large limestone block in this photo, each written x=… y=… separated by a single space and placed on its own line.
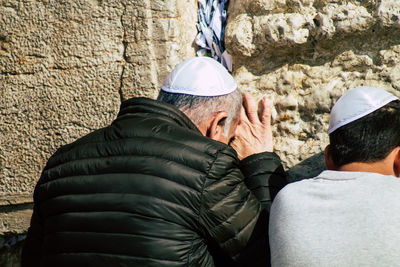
x=305 y=54
x=65 y=66
x=61 y=64
x=158 y=35
x=41 y=111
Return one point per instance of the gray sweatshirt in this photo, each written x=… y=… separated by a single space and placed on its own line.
x=337 y=219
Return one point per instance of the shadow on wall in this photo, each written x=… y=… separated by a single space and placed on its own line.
x=10 y=251
x=308 y=168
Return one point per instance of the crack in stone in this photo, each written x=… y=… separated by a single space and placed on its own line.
x=57 y=68
x=14 y=73
x=16 y=207
x=150 y=32
x=81 y=67
x=124 y=56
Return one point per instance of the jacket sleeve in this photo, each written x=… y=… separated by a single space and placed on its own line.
x=231 y=213
x=31 y=252
x=264 y=176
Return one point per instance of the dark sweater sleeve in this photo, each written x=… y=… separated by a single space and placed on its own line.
x=264 y=176
x=231 y=213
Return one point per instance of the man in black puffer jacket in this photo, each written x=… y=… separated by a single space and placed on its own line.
x=161 y=186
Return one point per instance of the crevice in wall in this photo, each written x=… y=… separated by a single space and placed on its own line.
x=9 y=242
x=58 y=68
x=80 y=67
x=317 y=52
x=124 y=56
x=150 y=32
x=18 y=207
x=15 y=199
x=14 y=73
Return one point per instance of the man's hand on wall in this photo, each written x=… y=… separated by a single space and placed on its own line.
x=253 y=133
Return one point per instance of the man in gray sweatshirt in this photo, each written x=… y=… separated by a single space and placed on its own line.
x=349 y=215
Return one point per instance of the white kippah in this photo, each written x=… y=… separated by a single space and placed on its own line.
x=200 y=76
x=356 y=103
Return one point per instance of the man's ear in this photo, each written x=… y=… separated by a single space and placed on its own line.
x=330 y=165
x=396 y=162
x=215 y=129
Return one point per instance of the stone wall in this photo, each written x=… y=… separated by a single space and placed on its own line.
x=305 y=54
x=65 y=66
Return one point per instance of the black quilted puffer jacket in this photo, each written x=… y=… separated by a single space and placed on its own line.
x=150 y=190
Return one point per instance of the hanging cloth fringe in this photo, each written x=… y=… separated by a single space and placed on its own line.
x=211 y=27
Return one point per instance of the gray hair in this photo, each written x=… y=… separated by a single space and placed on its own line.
x=197 y=108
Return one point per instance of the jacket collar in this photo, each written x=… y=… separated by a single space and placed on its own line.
x=147 y=105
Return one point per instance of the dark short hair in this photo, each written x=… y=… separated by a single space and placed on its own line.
x=197 y=108
x=368 y=139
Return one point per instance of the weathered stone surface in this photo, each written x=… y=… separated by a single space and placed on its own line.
x=65 y=66
x=41 y=111
x=15 y=219
x=60 y=70
x=158 y=35
x=306 y=53
x=15 y=214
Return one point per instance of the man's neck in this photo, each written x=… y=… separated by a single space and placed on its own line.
x=377 y=167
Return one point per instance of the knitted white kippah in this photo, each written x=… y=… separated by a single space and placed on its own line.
x=200 y=76
x=357 y=103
